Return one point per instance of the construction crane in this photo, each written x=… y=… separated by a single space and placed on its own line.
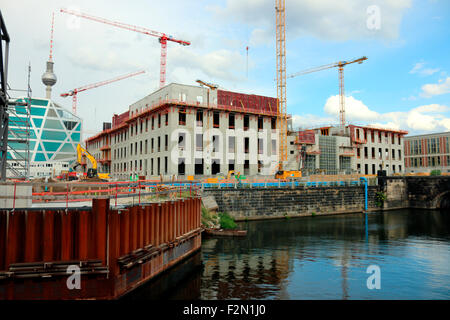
x=163 y=38
x=280 y=9
x=212 y=86
x=73 y=93
x=340 y=65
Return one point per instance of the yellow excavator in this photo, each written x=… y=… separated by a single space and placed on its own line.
x=91 y=172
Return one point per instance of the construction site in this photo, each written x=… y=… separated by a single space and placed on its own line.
x=126 y=203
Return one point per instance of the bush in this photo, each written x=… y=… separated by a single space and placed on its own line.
x=380 y=197
x=435 y=173
x=226 y=221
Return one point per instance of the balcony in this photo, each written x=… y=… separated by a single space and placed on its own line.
x=106 y=147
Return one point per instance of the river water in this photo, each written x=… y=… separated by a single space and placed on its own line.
x=318 y=258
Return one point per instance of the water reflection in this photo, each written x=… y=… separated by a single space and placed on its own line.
x=325 y=258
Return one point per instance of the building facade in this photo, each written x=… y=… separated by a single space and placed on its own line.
x=48 y=132
x=354 y=149
x=425 y=153
x=189 y=130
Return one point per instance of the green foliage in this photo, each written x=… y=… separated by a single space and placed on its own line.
x=226 y=221
x=380 y=197
x=313 y=213
x=435 y=173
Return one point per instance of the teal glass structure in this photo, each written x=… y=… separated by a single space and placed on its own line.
x=54 y=132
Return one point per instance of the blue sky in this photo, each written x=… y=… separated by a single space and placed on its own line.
x=404 y=84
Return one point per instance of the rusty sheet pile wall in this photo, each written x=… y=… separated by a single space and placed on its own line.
x=116 y=248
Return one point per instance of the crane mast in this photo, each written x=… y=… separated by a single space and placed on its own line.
x=163 y=38
x=280 y=10
x=73 y=93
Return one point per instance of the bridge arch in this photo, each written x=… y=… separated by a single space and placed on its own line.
x=442 y=200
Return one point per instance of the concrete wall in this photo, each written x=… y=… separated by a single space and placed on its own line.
x=261 y=203
x=7 y=196
x=425 y=192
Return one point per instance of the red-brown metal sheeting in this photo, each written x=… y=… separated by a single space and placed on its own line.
x=102 y=234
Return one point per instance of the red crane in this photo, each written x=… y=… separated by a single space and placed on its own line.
x=73 y=93
x=163 y=38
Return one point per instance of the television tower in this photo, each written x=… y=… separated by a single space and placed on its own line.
x=49 y=78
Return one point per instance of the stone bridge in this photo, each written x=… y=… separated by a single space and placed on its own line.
x=428 y=192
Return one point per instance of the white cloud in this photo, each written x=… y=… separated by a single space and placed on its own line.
x=216 y=65
x=326 y=19
x=419 y=69
x=354 y=109
x=425 y=118
x=433 y=89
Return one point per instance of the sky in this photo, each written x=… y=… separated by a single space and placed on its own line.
x=404 y=84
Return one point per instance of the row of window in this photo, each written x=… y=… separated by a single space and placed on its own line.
x=431 y=161
x=380 y=167
x=432 y=146
x=379 y=154
x=379 y=135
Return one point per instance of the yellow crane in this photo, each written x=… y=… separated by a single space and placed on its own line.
x=92 y=172
x=340 y=65
x=280 y=13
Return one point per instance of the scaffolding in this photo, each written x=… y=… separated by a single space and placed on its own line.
x=19 y=133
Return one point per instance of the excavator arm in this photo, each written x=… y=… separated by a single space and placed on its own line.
x=81 y=151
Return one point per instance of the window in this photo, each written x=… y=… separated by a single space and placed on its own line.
x=159 y=144
x=358 y=152
x=373 y=153
x=372 y=136
x=151 y=166
x=246 y=144
x=140 y=146
x=399 y=154
x=260 y=146
x=231 y=144
x=181 y=140
x=380 y=153
x=231 y=121
x=182 y=117
x=181 y=166
x=166 y=122
x=215 y=140
x=393 y=141
x=246 y=122
x=131 y=149
x=273 y=123
x=216 y=120
x=165 y=165
x=153 y=149
x=393 y=154
x=231 y=165
x=274 y=146
x=199 y=118
x=159 y=166
x=146 y=125
x=246 y=167
x=215 y=167
x=166 y=142
x=159 y=120
x=199 y=142
x=146 y=145
x=198 y=166
x=365 y=153
x=153 y=122
x=260 y=123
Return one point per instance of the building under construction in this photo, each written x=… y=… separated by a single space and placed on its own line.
x=191 y=130
x=352 y=149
